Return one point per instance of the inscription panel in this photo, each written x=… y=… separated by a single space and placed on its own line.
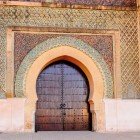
x=124 y=3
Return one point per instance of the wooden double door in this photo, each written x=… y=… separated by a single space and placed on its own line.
x=62 y=90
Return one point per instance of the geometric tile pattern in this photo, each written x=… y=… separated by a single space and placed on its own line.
x=2 y=56
x=25 y=42
x=123 y=21
x=56 y=42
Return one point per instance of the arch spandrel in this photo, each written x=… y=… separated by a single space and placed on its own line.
x=49 y=44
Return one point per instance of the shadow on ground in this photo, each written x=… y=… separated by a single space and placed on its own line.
x=65 y=135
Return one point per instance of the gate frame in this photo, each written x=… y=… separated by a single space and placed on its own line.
x=98 y=90
x=88 y=66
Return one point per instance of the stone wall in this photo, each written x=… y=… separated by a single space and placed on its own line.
x=122 y=115
x=12 y=115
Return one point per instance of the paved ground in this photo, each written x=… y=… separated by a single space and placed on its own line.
x=70 y=136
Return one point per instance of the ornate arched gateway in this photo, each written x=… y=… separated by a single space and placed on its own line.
x=76 y=52
x=99 y=37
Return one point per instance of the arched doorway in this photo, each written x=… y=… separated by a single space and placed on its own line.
x=34 y=63
x=63 y=92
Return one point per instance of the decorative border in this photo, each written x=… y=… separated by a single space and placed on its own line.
x=126 y=22
x=56 y=42
x=25 y=42
x=2 y=62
